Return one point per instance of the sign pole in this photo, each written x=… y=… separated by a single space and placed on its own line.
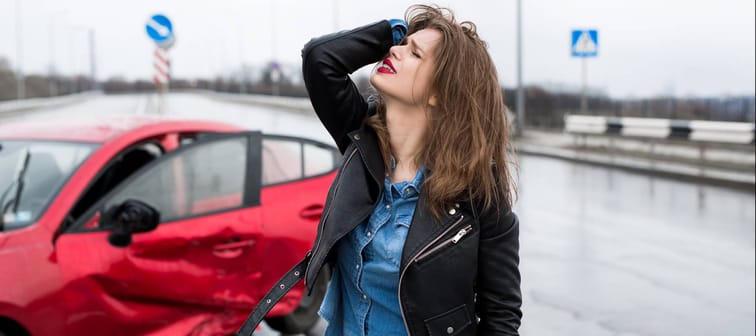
x=584 y=44
x=160 y=30
x=162 y=75
x=161 y=88
x=583 y=98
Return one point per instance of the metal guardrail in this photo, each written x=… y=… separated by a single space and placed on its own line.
x=719 y=152
x=694 y=130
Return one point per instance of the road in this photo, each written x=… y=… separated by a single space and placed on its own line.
x=603 y=252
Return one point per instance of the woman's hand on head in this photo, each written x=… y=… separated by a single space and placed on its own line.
x=398 y=29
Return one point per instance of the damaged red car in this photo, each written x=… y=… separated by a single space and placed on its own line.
x=153 y=226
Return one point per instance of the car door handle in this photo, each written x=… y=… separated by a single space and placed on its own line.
x=312 y=212
x=232 y=249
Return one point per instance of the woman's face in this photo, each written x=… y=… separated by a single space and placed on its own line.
x=406 y=74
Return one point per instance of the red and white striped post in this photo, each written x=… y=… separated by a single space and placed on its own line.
x=162 y=65
x=162 y=75
x=160 y=29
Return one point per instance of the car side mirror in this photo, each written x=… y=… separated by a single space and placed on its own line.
x=127 y=218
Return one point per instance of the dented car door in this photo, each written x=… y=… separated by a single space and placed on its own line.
x=197 y=271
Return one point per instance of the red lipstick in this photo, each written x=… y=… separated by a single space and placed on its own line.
x=386 y=67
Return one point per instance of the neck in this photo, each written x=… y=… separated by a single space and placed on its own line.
x=406 y=127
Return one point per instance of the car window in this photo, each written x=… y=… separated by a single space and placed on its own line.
x=116 y=171
x=31 y=174
x=282 y=161
x=318 y=160
x=286 y=159
x=203 y=179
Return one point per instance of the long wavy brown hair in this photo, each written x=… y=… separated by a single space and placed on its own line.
x=466 y=147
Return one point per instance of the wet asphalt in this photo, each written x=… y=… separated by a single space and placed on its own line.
x=603 y=252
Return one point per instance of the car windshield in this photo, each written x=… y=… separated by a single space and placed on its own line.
x=31 y=174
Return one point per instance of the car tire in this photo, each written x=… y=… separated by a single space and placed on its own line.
x=305 y=316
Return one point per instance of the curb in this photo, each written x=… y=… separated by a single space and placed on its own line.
x=293 y=104
x=670 y=169
x=13 y=107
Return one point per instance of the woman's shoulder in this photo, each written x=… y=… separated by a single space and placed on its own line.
x=493 y=219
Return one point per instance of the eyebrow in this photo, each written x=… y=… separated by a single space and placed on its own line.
x=412 y=42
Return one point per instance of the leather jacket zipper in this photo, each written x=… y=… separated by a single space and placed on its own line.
x=450 y=241
x=413 y=259
x=328 y=212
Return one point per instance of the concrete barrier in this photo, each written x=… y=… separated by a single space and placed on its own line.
x=718 y=152
x=654 y=128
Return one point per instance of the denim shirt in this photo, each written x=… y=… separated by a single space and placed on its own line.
x=362 y=298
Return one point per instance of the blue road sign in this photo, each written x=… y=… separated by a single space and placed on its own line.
x=160 y=29
x=584 y=43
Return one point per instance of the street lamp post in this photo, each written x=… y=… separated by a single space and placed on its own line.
x=51 y=76
x=273 y=37
x=92 y=60
x=92 y=57
x=520 y=94
x=335 y=15
x=20 y=80
x=51 y=67
x=242 y=67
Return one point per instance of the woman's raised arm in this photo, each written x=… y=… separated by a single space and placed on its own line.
x=327 y=62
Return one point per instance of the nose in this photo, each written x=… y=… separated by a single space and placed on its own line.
x=395 y=52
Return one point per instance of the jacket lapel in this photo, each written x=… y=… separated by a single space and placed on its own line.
x=367 y=142
x=422 y=231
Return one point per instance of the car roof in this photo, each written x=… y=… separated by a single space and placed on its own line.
x=101 y=129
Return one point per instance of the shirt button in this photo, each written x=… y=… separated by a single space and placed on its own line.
x=449 y=330
x=357 y=266
x=452 y=211
x=388 y=206
x=364 y=297
x=369 y=234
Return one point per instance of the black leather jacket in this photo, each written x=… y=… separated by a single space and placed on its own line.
x=447 y=286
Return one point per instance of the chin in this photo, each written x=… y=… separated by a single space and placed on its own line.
x=377 y=82
x=373 y=78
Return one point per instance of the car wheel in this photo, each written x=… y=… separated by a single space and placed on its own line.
x=305 y=316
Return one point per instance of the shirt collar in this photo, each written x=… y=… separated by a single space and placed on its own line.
x=402 y=188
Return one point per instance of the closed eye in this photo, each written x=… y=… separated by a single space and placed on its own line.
x=414 y=48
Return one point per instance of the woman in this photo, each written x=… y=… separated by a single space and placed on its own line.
x=418 y=227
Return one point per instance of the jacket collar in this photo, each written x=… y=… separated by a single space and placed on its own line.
x=370 y=151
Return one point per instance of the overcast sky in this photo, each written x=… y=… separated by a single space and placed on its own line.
x=646 y=47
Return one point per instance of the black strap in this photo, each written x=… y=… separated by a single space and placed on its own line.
x=283 y=286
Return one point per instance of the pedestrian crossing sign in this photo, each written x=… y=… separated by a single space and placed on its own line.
x=584 y=43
